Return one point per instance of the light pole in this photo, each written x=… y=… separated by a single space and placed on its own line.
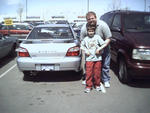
x=87 y=5
x=26 y=9
x=145 y=5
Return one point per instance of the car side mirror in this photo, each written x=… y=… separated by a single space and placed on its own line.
x=1 y=36
x=30 y=29
x=116 y=29
x=78 y=37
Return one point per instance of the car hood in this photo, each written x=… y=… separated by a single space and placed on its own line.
x=14 y=39
x=139 y=39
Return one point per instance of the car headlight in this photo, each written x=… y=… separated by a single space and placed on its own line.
x=141 y=54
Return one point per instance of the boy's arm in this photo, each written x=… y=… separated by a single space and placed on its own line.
x=84 y=48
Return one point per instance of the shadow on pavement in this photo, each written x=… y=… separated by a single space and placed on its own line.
x=4 y=61
x=53 y=77
x=140 y=83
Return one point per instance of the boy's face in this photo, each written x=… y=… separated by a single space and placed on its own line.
x=90 y=33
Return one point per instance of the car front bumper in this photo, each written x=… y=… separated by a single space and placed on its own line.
x=138 y=69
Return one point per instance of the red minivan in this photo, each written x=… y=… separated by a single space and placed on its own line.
x=130 y=43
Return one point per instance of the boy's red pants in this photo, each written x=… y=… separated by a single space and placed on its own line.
x=93 y=73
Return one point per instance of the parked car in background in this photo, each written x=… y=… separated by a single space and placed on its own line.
x=51 y=47
x=62 y=22
x=19 y=30
x=36 y=23
x=130 y=43
x=7 y=46
x=77 y=28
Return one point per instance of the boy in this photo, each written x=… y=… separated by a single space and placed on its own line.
x=92 y=45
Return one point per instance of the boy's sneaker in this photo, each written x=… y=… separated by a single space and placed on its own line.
x=102 y=88
x=107 y=84
x=84 y=82
x=98 y=88
x=87 y=90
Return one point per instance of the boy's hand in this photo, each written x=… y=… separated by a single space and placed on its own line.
x=97 y=52
x=87 y=53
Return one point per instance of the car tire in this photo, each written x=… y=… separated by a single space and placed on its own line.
x=27 y=75
x=123 y=72
x=13 y=52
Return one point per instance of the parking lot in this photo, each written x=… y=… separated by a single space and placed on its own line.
x=62 y=92
x=46 y=37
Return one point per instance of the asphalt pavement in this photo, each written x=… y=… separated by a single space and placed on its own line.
x=62 y=92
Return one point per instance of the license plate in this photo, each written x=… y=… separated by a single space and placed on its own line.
x=47 y=67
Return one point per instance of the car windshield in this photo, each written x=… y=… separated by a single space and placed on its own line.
x=51 y=33
x=21 y=27
x=137 y=22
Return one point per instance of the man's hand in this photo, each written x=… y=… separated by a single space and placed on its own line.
x=98 y=52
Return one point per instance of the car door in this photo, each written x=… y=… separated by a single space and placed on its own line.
x=4 y=30
x=1 y=46
x=5 y=46
x=117 y=36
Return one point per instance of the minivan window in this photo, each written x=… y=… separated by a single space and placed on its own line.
x=137 y=22
x=108 y=18
x=117 y=21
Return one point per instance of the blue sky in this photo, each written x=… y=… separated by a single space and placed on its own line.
x=70 y=8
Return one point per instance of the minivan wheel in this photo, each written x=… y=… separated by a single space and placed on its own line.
x=123 y=73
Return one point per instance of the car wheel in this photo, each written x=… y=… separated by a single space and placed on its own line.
x=27 y=75
x=13 y=52
x=122 y=71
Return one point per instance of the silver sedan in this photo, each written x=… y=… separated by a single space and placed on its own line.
x=51 y=47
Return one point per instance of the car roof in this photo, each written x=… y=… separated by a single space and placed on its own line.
x=53 y=25
x=128 y=12
x=19 y=24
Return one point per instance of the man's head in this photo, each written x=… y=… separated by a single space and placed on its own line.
x=91 y=18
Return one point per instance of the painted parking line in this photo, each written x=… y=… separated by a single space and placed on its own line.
x=7 y=71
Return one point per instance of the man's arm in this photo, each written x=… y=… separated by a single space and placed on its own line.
x=105 y=44
x=83 y=32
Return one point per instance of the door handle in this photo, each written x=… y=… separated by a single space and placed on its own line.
x=112 y=39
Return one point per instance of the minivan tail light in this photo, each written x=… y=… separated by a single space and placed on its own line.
x=22 y=52
x=73 y=51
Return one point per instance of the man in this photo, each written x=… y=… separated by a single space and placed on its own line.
x=103 y=30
